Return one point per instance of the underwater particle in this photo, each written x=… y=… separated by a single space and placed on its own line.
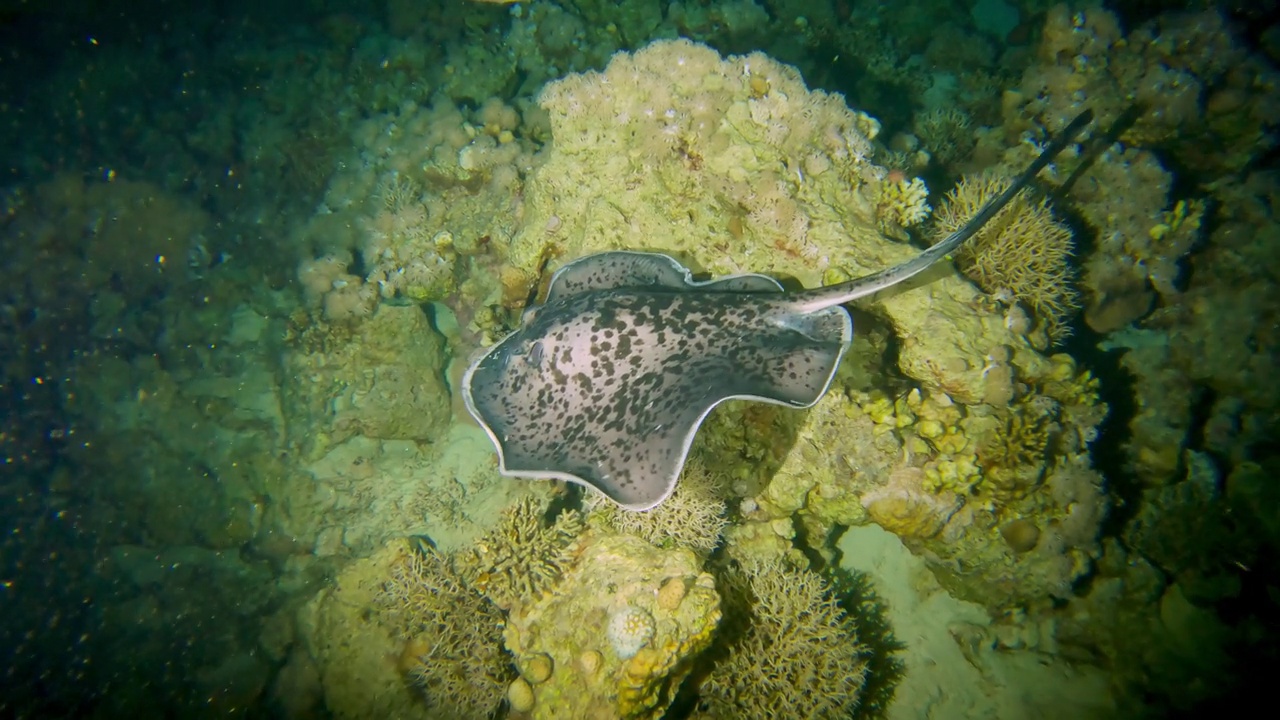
x=1020 y=534
x=538 y=668
x=629 y=630
x=520 y=695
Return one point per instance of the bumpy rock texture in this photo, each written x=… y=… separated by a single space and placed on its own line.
x=623 y=597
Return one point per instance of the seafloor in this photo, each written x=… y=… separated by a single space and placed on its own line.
x=248 y=250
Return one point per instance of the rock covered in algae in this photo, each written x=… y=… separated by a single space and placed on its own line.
x=350 y=651
x=618 y=633
x=385 y=381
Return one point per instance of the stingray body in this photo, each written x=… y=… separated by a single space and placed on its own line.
x=607 y=382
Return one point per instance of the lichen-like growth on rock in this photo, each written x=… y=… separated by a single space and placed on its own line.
x=797 y=653
x=692 y=517
x=452 y=636
x=523 y=556
x=1022 y=252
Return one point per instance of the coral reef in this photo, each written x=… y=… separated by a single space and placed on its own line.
x=443 y=616
x=1021 y=255
x=733 y=165
x=523 y=556
x=739 y=145
x=452 y=635
x=692 y=517
x=901 y=205
x=432 y=191
x=948 y=478
x=1188 y=76
x=351 y=653
x=244 y=260
x=621 y=630
x=792 y=651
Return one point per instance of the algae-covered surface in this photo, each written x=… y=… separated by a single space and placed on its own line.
x=249 y=255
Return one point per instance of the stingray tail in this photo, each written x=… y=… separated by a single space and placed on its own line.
x=808 y=301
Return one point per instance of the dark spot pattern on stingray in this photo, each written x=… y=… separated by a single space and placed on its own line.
x=607 y=382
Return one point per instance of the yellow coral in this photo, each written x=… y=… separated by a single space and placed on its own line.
x=1185 y=216
x=959 y=475
x=1015 y=455
x=1067 y=385
x=902 y=204
x=523 y=556
x=1023 y=251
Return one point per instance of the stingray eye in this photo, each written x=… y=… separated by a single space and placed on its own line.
x=534 y=355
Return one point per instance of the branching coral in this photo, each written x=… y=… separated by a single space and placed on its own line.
x=1023 y=251
x=902 y=204
x=1013 y=456
x=452 y=634
x=523 y=556
x=797 y=654
x=946 y=133
x=692 y=517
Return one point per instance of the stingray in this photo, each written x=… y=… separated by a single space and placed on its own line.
x=606 y=383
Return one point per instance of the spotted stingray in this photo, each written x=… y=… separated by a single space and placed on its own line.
x=607 y=382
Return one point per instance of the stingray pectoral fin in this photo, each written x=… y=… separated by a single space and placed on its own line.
x=746 y=282
x=789 y=363
x=793 y=360
x=619 y=269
